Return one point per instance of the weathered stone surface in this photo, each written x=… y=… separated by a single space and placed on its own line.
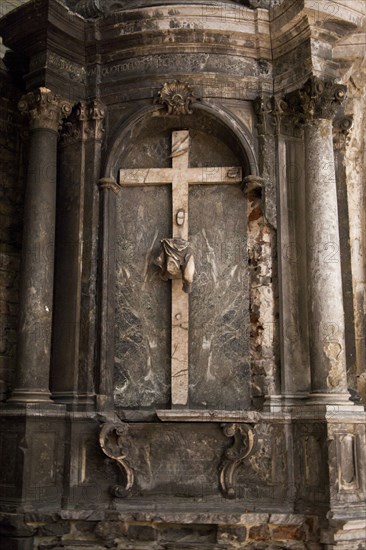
x=302 y=482
x=11 y=212
x=142 y=367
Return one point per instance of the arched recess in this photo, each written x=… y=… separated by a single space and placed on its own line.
x=239 y=132
x=130 y=285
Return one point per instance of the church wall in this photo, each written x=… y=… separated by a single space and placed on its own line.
x=11 y=203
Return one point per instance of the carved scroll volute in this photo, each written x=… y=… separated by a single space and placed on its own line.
x=114 y=442
x=243 y=445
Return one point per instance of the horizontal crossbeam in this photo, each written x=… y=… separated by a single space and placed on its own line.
x=161 y=176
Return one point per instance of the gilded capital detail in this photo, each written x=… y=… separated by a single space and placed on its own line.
x=316 y=99
x=45 y=109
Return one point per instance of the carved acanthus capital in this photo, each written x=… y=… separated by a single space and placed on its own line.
x=85 y=123
x=342 y=132
x=243 y=445
x=177 y=97
x=115 y=443
x=45 y=109
x=269 y=110
x=316 y=99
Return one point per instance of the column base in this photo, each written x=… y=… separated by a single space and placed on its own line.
x=337 y=401
x=319 y=402
x=283 y=403
x=30 y=396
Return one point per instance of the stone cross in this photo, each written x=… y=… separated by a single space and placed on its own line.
x=180 y=176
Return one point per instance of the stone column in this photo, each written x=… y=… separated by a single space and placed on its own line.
x=319 y=101
x=45 y=111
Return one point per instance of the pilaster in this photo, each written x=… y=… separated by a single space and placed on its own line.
x=108 y=189
x=72 y=376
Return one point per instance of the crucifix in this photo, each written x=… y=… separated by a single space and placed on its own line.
x=180 y=177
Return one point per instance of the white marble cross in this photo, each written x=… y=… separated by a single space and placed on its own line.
x=180 y=176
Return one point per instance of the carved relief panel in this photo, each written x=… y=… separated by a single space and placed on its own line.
x=215 y=272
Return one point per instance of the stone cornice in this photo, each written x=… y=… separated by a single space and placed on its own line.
x=44 y=109
x=304 y=35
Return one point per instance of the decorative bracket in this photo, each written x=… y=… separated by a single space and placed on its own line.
x=113 y=440
x=244 y=440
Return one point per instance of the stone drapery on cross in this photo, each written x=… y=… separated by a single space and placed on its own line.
x=180 y=177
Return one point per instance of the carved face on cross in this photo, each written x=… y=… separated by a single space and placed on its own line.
x=180 y=177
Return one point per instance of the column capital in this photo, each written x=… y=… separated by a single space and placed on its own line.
x=45 y=109
x=85 y=123
x=269 y=110
x=317 y=99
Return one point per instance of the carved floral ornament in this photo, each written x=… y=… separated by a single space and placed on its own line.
x=45 y=109
x=86 y=122
x=318 y=98
x=177 y=97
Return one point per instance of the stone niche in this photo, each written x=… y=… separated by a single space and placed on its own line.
x=219 y=324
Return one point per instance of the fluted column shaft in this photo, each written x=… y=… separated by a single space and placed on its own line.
x=45 y=111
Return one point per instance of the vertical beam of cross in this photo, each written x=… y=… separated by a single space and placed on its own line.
x=180 y=300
